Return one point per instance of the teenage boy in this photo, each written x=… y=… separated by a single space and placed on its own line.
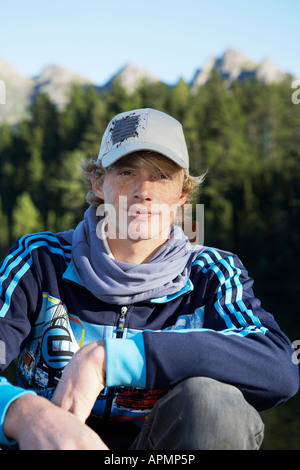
x=123 y=319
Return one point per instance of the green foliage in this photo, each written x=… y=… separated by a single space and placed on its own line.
x=26 y=217
x=247 y=138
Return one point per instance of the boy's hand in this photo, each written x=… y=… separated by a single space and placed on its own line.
x=82 y=380
x=37 y=424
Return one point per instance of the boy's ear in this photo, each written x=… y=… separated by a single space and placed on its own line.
x=96 y=188
x=182 y=199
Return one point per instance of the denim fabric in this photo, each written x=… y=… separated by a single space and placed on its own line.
x=201 y=414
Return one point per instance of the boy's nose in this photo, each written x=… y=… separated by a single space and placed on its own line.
x=144 y=189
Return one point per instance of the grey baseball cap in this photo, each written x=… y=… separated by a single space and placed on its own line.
x=143 y=129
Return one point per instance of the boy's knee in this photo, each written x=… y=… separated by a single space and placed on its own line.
x=216 y=415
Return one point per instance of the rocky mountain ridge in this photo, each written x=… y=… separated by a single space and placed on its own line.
x=233 y=65
x=56 y=81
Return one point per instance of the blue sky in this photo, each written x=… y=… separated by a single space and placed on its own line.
x=170 y=38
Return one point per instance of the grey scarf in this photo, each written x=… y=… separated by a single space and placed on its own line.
x=122 y=283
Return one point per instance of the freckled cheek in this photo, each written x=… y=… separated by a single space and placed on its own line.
x=170 y=196
x=112 y=195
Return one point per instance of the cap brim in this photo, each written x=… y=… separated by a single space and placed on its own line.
x=118 y=153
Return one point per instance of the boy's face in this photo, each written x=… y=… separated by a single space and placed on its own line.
x=140 y=204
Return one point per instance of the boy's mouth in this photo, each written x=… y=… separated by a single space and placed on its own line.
x=141 y=212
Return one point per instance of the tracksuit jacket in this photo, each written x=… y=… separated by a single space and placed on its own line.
x=211 y=326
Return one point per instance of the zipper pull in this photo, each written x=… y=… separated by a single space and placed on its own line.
x=121 y=322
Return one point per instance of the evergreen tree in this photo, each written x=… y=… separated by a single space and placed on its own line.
x=25 y=218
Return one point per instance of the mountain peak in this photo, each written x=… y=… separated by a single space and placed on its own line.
x=233 y=65
x=56 y=81
x=59 y=74
x=130 y=76
x=233 y=61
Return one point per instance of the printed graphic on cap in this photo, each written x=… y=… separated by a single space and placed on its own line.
x=124 y=128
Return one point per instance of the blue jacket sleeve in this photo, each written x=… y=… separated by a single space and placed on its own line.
x=8 y=394
x=19 y=297
x=238 y=342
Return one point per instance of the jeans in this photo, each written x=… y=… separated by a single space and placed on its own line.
x=201 y=414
